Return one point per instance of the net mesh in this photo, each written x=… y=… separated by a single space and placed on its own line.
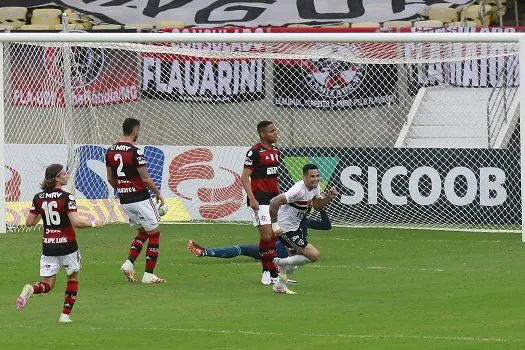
x=420 y=135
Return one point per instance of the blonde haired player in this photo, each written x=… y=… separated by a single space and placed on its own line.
x=58 y=210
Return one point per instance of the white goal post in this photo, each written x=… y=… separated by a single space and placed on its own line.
x=417 y=130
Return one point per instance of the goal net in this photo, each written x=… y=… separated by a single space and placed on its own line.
x=412 y=134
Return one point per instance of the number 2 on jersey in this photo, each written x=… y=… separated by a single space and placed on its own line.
x=52 y=216
x=118 y=157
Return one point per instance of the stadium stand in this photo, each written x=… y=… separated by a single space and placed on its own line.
x=139 y=26
x=35 y=27
x=477 y=13
x=443 y=14
x=397 y=24
x=169 y=24
x=107 y=27
x=428 y=24
x=468 y=24
x=13 y=16
x=70 y=26
x=366 y=25
x=44 y=16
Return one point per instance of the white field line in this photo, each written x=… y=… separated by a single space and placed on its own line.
x=320 y=237
x=320 y=266
x=311 y=335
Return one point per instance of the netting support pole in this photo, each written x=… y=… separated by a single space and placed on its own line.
x=3 y=227
x=521 y=61
x=68 y=115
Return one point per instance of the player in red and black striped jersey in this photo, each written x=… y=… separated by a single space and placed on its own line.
x=260 y=181
x=127 y=173
x=58 y=211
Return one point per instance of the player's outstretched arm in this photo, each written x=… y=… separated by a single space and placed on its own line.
x=143 y=173
x=275 y=203
x=78 y=222
x=323 y=224
x=32 y=219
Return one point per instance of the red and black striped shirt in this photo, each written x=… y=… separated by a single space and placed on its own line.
x=124 y=159
x=59 y=235
x=264 y=164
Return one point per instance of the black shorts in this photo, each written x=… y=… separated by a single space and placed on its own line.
x=294 y=240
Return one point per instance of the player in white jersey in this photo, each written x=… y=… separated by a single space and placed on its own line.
x=286 y=212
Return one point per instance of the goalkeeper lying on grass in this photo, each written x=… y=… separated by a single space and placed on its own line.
x=252 y=250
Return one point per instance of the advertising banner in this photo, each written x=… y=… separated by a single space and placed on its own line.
x=397 y=186
x=405 y=186
x=97 y=76
x=200 y=79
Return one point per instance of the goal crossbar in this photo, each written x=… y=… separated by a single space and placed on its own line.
x=262 y=37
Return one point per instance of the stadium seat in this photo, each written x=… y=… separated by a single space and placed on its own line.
x=74 y=17
x=70 y=26
x=169 y=24
x=397 y=24
x=428 y=24
x=13 y=16
x=107 y=27
x=443 y=14
x=35 y=27
x=366 y=25
x=474 y=13
x=462 y=24
x=138 y=26
x=49 y=17
x=497 y=10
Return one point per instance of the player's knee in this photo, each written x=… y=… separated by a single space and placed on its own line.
x=266 y=235
x=313 y=256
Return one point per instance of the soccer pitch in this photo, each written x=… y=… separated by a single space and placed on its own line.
x=371 y=289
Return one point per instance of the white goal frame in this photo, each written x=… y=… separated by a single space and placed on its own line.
x=265 y=38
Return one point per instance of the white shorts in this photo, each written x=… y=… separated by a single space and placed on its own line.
x=143 y=214
x=50 y=265
x=262 y=216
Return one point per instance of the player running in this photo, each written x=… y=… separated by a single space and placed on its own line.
x=259 y=179
x=287 y=211
x=58 y=210
x=127 y=173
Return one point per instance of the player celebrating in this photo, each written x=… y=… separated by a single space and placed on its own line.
x=127 y=173
x=286 y=211
x=259 y=179
x=58 y=210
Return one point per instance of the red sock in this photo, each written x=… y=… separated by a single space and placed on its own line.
x=271 y=254
x=70 y=297
x=136 y=246
x=41 y=287
x=152 y=252
x=263 y=249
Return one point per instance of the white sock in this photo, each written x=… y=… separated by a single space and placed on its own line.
x=280 y=284
x=294 y=260
x=290 y=269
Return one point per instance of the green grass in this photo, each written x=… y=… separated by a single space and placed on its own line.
x=371 y=289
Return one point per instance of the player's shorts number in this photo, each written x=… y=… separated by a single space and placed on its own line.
x=118 y=157
x=52 y=216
